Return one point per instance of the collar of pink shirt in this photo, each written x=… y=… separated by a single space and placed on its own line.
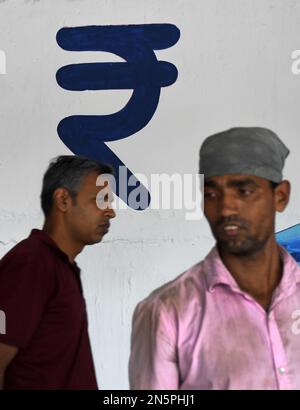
x=218 y=275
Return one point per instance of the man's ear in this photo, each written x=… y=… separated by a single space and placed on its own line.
x=282 y=195
x=62 y=199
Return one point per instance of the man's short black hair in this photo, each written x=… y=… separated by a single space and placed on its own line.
x=68 y=171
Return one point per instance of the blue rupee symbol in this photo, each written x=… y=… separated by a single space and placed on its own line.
x=142 y=73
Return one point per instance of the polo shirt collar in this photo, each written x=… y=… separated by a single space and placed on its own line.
x=45 y=238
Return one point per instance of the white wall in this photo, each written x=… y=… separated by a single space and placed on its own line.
x=234 y=63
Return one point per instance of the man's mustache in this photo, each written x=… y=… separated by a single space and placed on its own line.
x=234 y=220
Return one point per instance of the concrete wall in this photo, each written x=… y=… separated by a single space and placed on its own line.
x=235 y=68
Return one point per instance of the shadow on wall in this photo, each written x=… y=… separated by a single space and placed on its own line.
x=290 y=239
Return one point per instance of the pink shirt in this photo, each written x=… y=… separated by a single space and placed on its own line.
x=200 y=331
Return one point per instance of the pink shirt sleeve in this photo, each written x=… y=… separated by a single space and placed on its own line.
x=153 y=360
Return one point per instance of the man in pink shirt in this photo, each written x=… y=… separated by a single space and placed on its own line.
x=233 y=320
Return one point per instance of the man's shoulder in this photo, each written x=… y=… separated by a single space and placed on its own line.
x=26 y=246
x=29 y=251
x=186 y=288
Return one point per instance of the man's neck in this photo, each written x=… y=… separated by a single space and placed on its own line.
x=258 y=274
x=63 y=240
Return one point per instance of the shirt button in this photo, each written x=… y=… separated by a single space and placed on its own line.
x=281 y=370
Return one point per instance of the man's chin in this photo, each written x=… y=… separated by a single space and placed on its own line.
x=237 y=247
x=95 y=239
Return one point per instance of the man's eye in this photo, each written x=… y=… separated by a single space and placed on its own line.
x=245 y=191
x=209 y=194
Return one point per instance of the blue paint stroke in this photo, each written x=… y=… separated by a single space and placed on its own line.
x=142 y=72
x=290 y=239
x=114 y=76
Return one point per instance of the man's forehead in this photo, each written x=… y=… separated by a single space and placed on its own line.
x=232 y=179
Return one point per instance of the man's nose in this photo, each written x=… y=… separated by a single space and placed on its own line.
x=228 y=204
x=111 y=213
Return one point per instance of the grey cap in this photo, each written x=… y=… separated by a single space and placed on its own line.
x=251 y=151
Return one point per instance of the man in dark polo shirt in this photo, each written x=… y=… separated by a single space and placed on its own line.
x=46 y=344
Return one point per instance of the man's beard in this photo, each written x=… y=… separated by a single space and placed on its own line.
x=246 y=246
